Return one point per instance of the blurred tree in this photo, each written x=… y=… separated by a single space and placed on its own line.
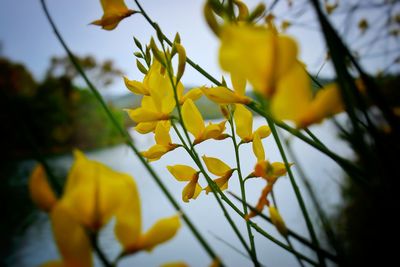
x=102 y=73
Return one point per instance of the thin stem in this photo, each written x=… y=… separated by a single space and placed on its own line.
x=291 y=233
x=93 y=237
x=321 y=214
x=297 y=192
x=128 y=140
x=242 y=188
x=291 y=246
x=212 y=185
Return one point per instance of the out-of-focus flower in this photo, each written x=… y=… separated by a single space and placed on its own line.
x=185 y=173
x=194 y=123
x=93 y=194
x=219 y=168
x=41 y=193
x=114 y=12
x=257 y=54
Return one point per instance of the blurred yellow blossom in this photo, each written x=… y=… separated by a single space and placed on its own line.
x=257 y=54
x=40 y=190
x=93 y=194
x=114 y=12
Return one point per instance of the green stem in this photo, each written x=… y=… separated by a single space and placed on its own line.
x=128 y=140
x=93 y=237
x=211 y=183
x=242 y=189
x=291 y=233
x=297 y=192
x=321 y=214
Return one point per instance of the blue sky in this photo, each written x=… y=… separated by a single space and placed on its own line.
x=26 y=35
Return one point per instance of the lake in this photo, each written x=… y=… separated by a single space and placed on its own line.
x=36 y=245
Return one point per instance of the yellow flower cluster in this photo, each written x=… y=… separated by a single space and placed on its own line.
x=92 y=196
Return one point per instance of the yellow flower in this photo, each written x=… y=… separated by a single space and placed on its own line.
x=258 y=54
x=93 y=194
x=219 y=168
x=163 y=142
x=244 y=125
x=40 y=190
x=268 y=60
x=194 y=123
x=293 y=99
x=158 y=100
x=268 y=171
x=114 y=12
x=223 y=95
x=185 y=173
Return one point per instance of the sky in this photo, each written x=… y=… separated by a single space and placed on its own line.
x=26 y=37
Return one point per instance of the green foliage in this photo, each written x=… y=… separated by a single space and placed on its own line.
x=53 y=116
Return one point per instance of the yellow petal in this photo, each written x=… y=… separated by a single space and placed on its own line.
x=136 y=87
x=145 y=115
x=327 y=102
x=182 y=172
x=70 y=237
x=192 y=118
x=223 y=95
x=128 y=221
x=278 y=169
x=263 y=131
x=211 y=131
x=155 y=152
x=40 y=191
x=114 y=12
x=258 y=148
x=193 y=94
x=160 y=232
x=292 y=96
x=146 y=127
x=221 y=182
x=148 y=103
x=257 y=54
x=238 y=84
x=216 y=166
x=94 y=192
x=278 y=221
x=162 y=135
x=243 y=121
x=191 y=190
x=161 y=89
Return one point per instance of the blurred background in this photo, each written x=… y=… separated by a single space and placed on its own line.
x=47 y=110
